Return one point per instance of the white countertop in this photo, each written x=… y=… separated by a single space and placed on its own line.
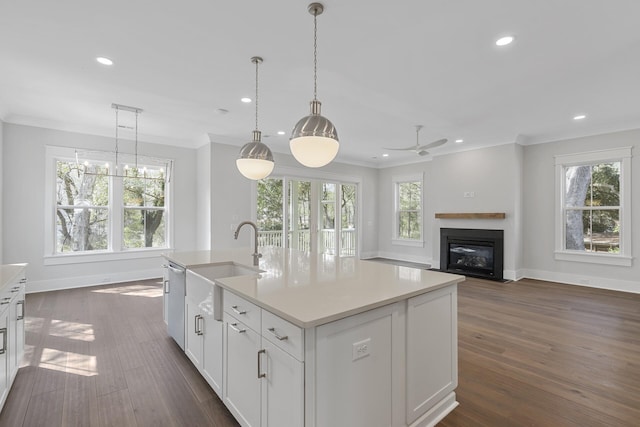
x=310 y=290
x=8 y=273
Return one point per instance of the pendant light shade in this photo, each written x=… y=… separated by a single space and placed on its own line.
x=255 y=161
x=314 y=140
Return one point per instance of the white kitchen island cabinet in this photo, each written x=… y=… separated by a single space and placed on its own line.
x=12 y=298
x=322 y=341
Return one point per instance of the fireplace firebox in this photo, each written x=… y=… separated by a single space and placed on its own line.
x=472 y=252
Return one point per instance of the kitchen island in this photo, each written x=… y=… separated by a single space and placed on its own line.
x=316 y=340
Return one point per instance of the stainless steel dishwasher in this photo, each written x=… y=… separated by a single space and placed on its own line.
x=175 y=294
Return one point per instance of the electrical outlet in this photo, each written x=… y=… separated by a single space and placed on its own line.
x=361 y=349
x=469 y=194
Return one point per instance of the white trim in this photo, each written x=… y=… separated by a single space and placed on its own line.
x=97 y=256
x=116 y=208
x=396 y=180
x=85 y=281
x=408 y=242
x=403 y=257
x=585 y=280
x=594 y=258
x=622 y=155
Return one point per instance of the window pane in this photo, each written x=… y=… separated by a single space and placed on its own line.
x=409 y=195
x=578 y=181
x=328 y=215
x=593 y=230
x=328 y=191
x=81 y=229
x=74 y=187
x=409 y=225
x=605 y=185
x=144 y=186
x=144 y=228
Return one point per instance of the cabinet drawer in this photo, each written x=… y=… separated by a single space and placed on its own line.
x=242 y=310
x=283 y=334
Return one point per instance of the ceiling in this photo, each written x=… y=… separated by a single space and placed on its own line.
x=383 y=67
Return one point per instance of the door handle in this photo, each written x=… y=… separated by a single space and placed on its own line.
x=3 y=331
x=166 y=286
x=263 y=374
x=21 y=315
x=176 y=269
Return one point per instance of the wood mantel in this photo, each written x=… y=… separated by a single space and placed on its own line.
x=471 y=215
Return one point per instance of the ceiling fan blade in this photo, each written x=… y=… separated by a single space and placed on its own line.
x=423 y=153
x=433 y=144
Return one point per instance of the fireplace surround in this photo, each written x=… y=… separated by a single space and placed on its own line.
x=472 y=252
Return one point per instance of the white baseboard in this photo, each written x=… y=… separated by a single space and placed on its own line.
x=589 y=281
x=84 y=281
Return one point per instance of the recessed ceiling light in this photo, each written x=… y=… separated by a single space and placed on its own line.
x=246 y=100
x=503 y=41
x=459 y=141
x=281 y=132
x=104 y=61
x=579 y=117
x=385 y=155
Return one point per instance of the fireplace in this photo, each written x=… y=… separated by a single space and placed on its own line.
x=472 y=252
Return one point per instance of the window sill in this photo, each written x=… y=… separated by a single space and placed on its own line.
x=406 y=242
x=591 y=258
x=102 y=256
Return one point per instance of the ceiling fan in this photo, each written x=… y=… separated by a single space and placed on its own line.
x=421 y=150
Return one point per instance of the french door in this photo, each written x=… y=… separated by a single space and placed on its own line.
x=316 y=215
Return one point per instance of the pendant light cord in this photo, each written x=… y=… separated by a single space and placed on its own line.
x=117 y=140
x=257 y=62
x=315 y=56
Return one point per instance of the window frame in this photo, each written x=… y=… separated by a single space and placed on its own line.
x=622 y=155
x=395 y=237
x=116 y=249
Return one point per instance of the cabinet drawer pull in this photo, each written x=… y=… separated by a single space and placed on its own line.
x=15 y=289
x=235 y=310
x=21 y=315
x=235 y=328
x=275 y=334
x=263 y=374
x=3 y=331
x=5 y=301
x=23 y=280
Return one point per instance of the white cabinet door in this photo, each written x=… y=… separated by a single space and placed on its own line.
x=241 y=385
x=432 y=349
x=4 y=354
x=165 y=299
x=282 y=388
x=212 y=352
x=193 y=327
x=16 y=334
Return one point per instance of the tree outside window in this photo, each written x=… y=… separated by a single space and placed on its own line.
x=593 y=193
x=409 y=210
x=97 y=211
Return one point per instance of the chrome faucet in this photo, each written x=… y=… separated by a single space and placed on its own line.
x=256 y=255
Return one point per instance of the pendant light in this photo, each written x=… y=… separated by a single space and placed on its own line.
x=256 y=161
x=314 y=140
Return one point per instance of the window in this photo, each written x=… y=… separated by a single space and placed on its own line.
x=593 y=193
x=408 y=211
x=94 y=212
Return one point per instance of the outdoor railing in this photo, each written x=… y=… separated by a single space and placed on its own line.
x=300 y=240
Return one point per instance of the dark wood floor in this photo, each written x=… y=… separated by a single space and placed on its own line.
x=531 y=353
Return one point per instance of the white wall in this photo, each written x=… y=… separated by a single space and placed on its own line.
x=494 y=175
x=232 y=195
x=1 y=183
x=539 y=220
x=385 y=208
x=23 y=236
x=203 y=189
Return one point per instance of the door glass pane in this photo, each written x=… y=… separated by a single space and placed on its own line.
x=299 y=208
x=269 y=212
x=348 y=220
